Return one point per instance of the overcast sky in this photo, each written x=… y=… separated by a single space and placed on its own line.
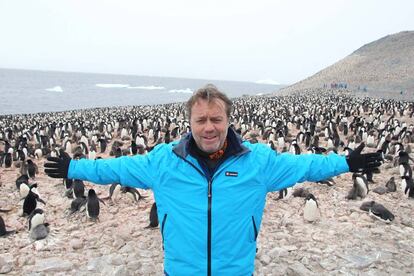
x=245 y=40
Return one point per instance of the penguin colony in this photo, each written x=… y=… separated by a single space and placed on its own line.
x=322 y=123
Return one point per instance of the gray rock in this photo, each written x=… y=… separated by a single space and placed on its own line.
x=6 y=263
x=116 y=259
x=265 y=259
x=121 y=271
x=298 y=269
x=359 y=261
x=54 y=264
x=76 y=244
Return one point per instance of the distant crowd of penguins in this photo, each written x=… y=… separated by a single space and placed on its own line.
x=318 y=122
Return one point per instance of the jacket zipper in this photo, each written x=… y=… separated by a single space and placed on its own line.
x=209 y=228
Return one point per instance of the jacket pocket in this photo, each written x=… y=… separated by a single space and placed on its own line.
x=164 y=219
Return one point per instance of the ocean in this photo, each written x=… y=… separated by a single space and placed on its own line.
x=29 y=91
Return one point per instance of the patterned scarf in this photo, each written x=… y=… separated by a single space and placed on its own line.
x=218 y=154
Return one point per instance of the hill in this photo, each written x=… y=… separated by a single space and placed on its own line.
x=382 y=67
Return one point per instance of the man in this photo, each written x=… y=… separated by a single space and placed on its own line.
x=210 y=187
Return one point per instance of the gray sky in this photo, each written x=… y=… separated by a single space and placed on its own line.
x=245 y=40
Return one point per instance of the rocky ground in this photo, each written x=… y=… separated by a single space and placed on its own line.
x=346 y=240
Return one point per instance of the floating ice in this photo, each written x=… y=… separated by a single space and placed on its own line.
x=151 y=87
x=267 y=81
x=55 y=89
x=187 y=90
x=112 y=85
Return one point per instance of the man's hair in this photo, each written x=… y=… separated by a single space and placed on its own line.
x=209 y=93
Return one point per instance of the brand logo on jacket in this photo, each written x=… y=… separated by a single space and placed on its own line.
x=234 y=174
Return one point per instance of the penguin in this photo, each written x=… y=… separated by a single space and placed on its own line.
x=24 y=178
x=68 y=183
x=35 y=218
x=300 y=192
x=360 y=185
x=39 y=232
x=285 y=193
x=3 y=231
x=132 y=192
x=134 y=148
x=378 y=211
x=8 y=160
x=32 y=169
x=311 y=211
x=78 y=188
x=30 y=203
x=366 y=206
x=114 y=192
x=407 y=186
x=404 y=167
x=77 y=204
x=92 y=205
x=25 y=188
x=153 y=216
x=391 y=187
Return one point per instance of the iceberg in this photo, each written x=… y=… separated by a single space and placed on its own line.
x=187 y=90
x=55 y=89
x=267 y=81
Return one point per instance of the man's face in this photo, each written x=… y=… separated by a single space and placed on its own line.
x=209 y=124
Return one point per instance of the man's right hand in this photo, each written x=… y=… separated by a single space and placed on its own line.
x=58 y=167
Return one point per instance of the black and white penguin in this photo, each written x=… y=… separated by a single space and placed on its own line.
x=404 y=167
x=3 y=231
x=36 y=217
x=285 y=193
x=114 y=192
x=30 y=203
x=378 y=211
x=92 y=205
x=8 y=160
x=300 y=192
x=361 y=185
x=153 y=216
x=407 y=186
x=22 y=179
x=32 y=169
x=25 y=188
x=132 y=193
x=311 y=210
x=78 y=188
x=68 y=183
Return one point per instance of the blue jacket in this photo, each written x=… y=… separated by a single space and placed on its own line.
x=209 y=225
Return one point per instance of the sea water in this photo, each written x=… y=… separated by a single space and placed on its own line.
x=28 y=91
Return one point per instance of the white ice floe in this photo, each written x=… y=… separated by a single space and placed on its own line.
x=267 y=81
x=55 y=89
x=151 y=87
x=112 y=85
x=187 y=90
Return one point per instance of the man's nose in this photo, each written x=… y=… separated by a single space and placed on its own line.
x=209 y=126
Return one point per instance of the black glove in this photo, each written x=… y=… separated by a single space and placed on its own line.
x=58 y=166
x=358 y=162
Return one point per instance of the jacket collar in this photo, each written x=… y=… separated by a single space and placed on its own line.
x=234 y=143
